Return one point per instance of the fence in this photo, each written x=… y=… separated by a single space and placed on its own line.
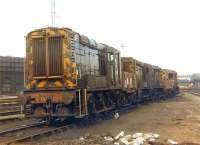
x=10 y=107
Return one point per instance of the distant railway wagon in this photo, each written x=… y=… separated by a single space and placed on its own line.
x=168 y=80
x=11 y=75
x=69 y=75
x=129 y=78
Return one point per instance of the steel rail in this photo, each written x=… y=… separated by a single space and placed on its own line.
x=22 y=127
x=38 y=134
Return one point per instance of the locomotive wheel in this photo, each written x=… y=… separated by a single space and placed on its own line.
x=91 y=105
x=63 y=111
x=95 y=103
x=99 y=102
x=39 y=112
x=124 y=99
x=107 y=100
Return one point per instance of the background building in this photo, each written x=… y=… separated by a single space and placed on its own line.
x=196 y=80
x=184 y=81
x=11 y=75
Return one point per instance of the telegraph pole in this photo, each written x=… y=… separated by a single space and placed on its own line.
x=122 y=47
x=53 y=12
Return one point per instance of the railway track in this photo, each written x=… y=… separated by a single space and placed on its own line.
x=192 y=91
x=37 y=134
x=22 y=127
x=39 y=130
x=10 y=135
x=195 y=93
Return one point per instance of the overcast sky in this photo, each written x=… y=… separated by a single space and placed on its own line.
x=161 y=32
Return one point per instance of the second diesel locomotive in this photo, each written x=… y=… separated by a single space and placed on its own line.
x=69 y=75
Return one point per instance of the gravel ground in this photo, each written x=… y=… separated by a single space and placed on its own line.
x=177 y=119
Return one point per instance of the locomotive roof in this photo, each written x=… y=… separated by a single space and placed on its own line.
x=170 y=71
x=82 y=38
x=92 y=43
x=139 y=63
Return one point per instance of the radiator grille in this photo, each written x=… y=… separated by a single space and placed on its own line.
x=47 y=59
x=55 y=56
x=38 y=47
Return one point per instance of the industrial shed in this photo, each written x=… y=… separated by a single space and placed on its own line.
x=11 y=75
x=195 y=78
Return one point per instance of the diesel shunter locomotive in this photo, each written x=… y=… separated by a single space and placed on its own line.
x=69 y=75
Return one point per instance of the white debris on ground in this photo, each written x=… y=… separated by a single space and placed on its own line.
x=121 y=134
x=116 y=116
x=135 y=139
x=108 y=138
x=120 y=139
x=170 y=141
x=131 y=139
x=81 y=138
